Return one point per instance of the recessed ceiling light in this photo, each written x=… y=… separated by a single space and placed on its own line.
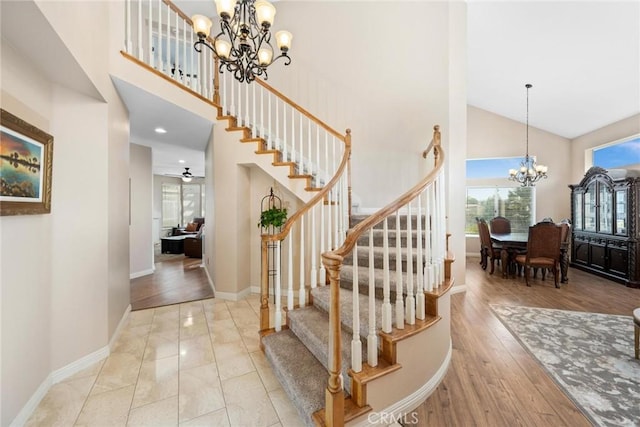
x=180 y=161
x=160 y=130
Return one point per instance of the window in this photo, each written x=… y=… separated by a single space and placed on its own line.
x=171 y=212
x=192 y=202
x=619 y=155
x=515 y=204
x=488 y=196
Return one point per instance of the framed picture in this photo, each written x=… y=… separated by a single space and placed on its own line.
x=26 y=156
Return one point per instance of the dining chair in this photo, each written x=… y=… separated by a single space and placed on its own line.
x=500 y=225
x=488 y=250
x=543 y=250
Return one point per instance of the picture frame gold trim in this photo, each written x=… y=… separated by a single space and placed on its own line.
x=23 y=128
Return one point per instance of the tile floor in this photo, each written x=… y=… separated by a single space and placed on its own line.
x=191 y=364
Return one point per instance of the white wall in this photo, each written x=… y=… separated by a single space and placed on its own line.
x=74 y=262
x=141 y=238
x=25 y=255
x=490 y=135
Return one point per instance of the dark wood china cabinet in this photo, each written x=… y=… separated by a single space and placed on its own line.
x=605 y=211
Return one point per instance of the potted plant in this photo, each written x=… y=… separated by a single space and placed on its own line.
x=273 y=216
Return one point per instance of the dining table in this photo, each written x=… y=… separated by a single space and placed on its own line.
x=513 y=243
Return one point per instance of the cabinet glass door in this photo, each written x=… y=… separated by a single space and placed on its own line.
x=577 y=211
x=621 y=212
x=605 y=209
x=590 y=208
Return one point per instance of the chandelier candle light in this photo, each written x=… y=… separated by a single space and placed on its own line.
x=243 y=45
x=529 y=172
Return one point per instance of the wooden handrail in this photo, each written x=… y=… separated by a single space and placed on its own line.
x=374 y=219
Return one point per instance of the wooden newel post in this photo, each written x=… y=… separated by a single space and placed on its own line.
x=436 y=143
x=216 y=83
x=334 y=397
x=264 y=287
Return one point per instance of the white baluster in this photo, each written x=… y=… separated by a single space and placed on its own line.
x=410 y=300
x=309 y=151
x=150 y=33
x=176 y=73
x=428 y=272
x=246 y=105
x=160 y=60
x=285 y=142
x=399 y=301
x=225 y=91
x=301 y=166
x=277 y=284
x=254 y=123
x=167 y=69
x=372 y=338
x=356 y=343
x=386 y=290
x=420 y=308
x=314 y=266
x=330 y=222
x=317 y=159
x=443 y=230
x=140 y=23
x=290 y=271
x=192 y=71
x=432 y=235
x=270 y=136
x=336 y=238
x=277 y=140
x=210 y=75
x=185 y=47
x=302 y=291
x=323 y=273
x=128 y=45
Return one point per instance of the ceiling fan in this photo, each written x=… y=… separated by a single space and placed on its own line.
x=186 y=176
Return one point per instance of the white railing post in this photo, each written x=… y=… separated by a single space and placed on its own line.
x=420 y=308
x=276 y=291
x=140 y=21
x=372 y=338
x=410 y=300
x=128 y=46
x=150 y=33
x=314 y=256
x=302 y=290
x=386 y=290
x=399 y=301
x=290 y=272
x=356 y=343
x=428 y=271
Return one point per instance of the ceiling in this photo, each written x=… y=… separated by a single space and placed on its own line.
x=582 y=58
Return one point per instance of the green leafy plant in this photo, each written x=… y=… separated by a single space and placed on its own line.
x=274 y=216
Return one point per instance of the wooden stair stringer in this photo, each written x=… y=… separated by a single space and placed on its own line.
x=245 y=154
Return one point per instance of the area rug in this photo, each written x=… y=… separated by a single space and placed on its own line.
x=589 y=355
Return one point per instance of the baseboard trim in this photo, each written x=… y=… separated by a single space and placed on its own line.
x=458 y=289
x=141 y=273
x=80 y=364
x=65 y=372
x=32 y=403
x=256 y=290
x=116 y=333
x=206 y=272
x=230 y=296
x=400 y=409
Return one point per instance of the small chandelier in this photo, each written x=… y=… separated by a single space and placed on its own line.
x=529 y=172
x=243 y=45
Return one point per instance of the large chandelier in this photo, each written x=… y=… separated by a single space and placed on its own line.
x=243 y=45
x=529 y=172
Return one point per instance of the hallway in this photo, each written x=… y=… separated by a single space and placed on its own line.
x=177 y=279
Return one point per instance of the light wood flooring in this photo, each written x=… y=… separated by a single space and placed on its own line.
x=177 y=279
x=492 y=380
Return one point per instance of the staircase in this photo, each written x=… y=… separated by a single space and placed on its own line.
x=368 y=335
x=299 y=353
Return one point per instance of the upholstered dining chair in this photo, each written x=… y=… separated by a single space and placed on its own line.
x=543 y=250
x=500 y=225
x=488 y=251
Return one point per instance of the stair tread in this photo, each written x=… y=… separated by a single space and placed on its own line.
x=301 y=375
x=321 y=298
x=311 y=326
